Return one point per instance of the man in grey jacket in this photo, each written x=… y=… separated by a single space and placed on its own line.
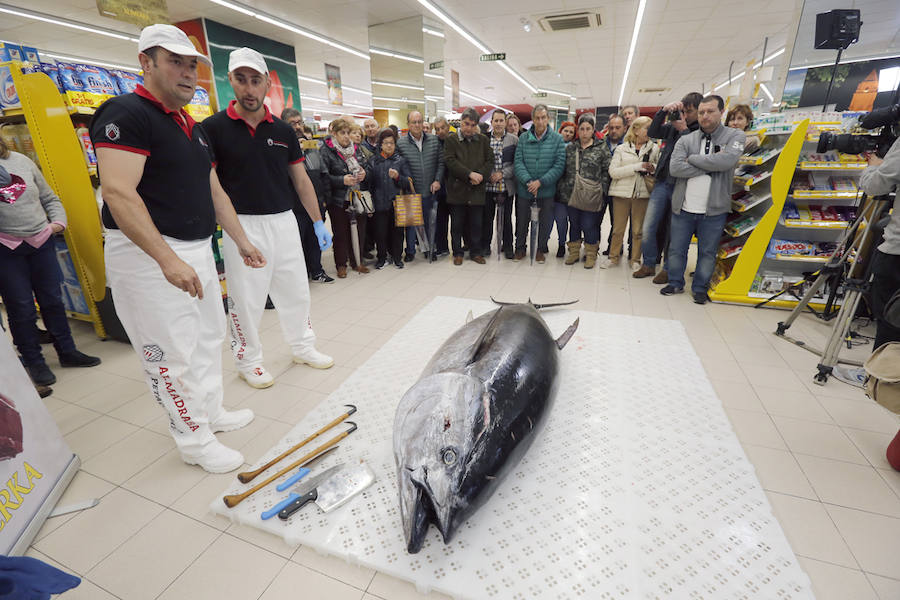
x=501 y=186
x=703 y=164
x=425 y=156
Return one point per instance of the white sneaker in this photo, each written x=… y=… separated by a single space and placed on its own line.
x=257 y=377
x=313 y=358
x=603 y=262
x=231 y=420
x=855 y=376
x=216 y=458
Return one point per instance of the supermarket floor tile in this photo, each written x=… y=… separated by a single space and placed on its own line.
x=817 y=450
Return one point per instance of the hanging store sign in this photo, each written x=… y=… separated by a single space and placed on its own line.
x=494 y=56
x=436 y=65
x=333 y=77
x=136 y=12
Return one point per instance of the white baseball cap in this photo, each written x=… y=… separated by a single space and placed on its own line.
x=172 y=39
x=247 y=57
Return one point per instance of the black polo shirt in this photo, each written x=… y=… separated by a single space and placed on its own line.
x=175 y=183
x=253 y=164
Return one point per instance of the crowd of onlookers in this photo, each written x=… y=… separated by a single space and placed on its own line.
x=496 y=186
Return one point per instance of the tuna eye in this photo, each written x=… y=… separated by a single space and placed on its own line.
x=449 y=456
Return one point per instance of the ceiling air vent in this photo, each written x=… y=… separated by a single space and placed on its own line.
x=539 y=68
x=653 y=90
x=569 y=21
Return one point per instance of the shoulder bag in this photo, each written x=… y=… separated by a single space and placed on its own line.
x=587 y=194
x=883 y=382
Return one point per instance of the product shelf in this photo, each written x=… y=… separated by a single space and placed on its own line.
x=824 y=194
x=749 y=182
x=744 y=208
x=726 y=253
x=798 y=224
x=804 y=259
x=809 y=165
x=758 y=160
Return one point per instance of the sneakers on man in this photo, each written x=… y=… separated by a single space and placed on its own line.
x=323 y=278
x=700 y=297
x=644 y=271
x=216 y=458
x=313 y=358
x=380 y=264
x=519 y=255
x=77 y=359
x=257 y=377
x=540 y=258
x=669 y=290
x=661 y=278
x=232 y=419
x=855 y=376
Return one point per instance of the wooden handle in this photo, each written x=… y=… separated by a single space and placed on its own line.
x=234 y=499
x=248 y=476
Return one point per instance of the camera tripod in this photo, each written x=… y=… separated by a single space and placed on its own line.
x=851 y=263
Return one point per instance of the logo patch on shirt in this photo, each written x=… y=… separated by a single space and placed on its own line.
x=112 y=132
x=737 y=145
x=152 y=352
x=272 y=142
x=202 y=142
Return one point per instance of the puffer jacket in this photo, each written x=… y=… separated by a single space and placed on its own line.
x=543 y=159
x=427 y=165
x=624 y=167
x=594 y=161
x=381 y=185
x=337 y=168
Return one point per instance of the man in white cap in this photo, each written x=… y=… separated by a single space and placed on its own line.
x=162 y=200
x=260 y=164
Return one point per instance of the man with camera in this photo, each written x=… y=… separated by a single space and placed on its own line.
x=882 y=177
x=669 y=124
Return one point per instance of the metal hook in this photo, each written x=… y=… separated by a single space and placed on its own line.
x=352 y=409
x=354 y=428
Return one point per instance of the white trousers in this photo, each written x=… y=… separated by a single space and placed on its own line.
x=283 y=279
x=178 y=338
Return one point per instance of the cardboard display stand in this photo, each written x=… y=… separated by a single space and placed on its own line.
x=36 y=464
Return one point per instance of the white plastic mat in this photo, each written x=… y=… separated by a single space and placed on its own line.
x=636 y=488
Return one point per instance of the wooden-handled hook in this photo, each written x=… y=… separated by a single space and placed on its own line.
x=247 y=476
x=233 y=500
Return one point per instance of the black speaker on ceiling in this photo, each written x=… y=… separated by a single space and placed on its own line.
x=837 y=29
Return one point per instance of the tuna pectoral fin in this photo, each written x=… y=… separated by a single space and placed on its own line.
x=470 y=317
x=562 y=340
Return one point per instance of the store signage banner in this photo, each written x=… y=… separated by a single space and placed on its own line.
x=333 y=77
x=859 y=86
x=280 y=58
x=454 y=86
x=136 y=12
x=33 y=454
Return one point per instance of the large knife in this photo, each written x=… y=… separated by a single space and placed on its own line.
x=301 y=491
x=333 y=492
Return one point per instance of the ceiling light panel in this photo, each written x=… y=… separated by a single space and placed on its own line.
x=634 y=35
x=36 y=16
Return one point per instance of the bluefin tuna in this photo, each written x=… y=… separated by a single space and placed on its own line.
x=471 y=416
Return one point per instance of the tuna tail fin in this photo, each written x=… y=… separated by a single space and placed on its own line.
x=562 y=340
x=536 y=306
x=470 y=317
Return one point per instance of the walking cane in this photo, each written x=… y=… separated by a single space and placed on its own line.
x=499 y=220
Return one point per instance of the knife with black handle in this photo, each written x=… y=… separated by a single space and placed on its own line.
x=287 y=511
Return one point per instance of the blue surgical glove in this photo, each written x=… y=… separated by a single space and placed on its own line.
x=322 y=234
x=26 y=578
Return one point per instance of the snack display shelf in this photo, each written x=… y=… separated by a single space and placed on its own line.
x=80 y=110
x=801 y=258
x=824 y=194
x=756 y=161
x=756 y=202
x=749 y=182
x=798 y=224
x=724 y=254
x=744 y=231
x=12 y=112
x=809 y=165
